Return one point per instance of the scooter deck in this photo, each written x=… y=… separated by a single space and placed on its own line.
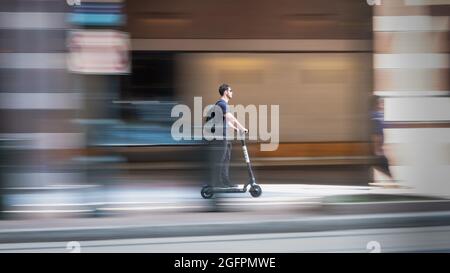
x=227 y=189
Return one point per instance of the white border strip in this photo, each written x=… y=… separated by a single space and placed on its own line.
x=44 y=141
x=39 y=101
x=46 y=178
x=33 y=20
x=33 y=60
x=426 y=60
x=236 y=222
x=417 y=109
x=410 y=23
x=412 y=93
x=417 y=135
x=425 y=2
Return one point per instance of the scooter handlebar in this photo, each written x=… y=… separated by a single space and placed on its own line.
x=243 y=132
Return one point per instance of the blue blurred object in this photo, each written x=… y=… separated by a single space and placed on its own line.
x=149 y=123
x=97 y=14
x=96 y=19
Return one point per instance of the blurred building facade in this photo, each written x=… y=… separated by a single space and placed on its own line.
x=49 y=98
x=313 y=58
x=64 y=101
x=39 y=99
x=411 y=70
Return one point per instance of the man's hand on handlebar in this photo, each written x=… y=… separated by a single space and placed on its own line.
x=244 y=131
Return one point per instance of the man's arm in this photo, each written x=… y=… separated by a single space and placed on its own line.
x=234 y=123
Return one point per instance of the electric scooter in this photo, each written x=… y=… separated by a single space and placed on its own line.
x=255 y=190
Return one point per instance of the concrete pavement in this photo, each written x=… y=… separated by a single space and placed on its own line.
x=168 y=212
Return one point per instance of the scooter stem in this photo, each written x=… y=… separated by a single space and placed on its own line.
x=247 y=160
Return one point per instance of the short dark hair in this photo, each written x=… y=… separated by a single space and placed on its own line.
x=224 y=87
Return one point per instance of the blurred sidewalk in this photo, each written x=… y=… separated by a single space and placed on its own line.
x=125 y=197
x=135 y=212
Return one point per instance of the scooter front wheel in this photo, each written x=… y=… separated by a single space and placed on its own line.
x=255 y=191
x=207 y=192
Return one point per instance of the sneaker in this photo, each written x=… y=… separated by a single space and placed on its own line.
x=227 y=184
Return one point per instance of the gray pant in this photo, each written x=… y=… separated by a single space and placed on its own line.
x=221 y=157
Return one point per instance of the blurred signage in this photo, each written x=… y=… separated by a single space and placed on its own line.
x=98 y=52
x=96 y=19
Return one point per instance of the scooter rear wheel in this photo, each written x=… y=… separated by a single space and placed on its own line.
x=207 y=192
x=255 y=191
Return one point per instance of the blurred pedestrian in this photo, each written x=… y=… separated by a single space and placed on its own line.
x=377 y=137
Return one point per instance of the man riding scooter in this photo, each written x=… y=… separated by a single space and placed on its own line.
x=223 y=147
x=221 y=150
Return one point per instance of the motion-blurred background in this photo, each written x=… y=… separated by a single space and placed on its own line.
x=87 y=88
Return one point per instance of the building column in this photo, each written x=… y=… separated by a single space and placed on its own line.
x=411 y=66
x=38 y=102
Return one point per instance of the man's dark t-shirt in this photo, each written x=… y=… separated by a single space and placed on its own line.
x=220 y=106
x=378 y=123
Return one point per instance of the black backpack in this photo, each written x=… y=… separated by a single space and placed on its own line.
x=210 y=116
